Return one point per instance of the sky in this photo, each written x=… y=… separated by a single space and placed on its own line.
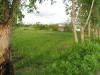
x=48 y=14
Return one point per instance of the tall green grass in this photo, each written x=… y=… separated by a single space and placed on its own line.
x=34 y=50
x=40 y=52
x=79 y=60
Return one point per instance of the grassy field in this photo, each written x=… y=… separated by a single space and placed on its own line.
x=34 y=50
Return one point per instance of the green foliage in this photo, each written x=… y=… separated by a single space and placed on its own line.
x=53 y=27
x=96 y=14
x=15 y=8
x=68 y=27
x=33 y=50
x=42 y=52
x=46 y=27
x=84 y=9
x=40 y=27
x=80 y=60
x=1 y=11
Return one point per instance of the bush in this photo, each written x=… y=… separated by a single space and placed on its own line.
x=53 y=27
x=80 y=60
x=46 y=27
x=68 y=28
x=39 y=27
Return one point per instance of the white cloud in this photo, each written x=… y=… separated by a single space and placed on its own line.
x=48 y=13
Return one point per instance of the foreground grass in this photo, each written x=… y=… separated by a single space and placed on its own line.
x=53 y=53
x=34 y=50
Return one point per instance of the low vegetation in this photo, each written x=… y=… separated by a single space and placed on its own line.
x=42 y=52
x=48 y=27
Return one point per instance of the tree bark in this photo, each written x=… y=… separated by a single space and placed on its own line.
x=99 y=32
x=73 y=20
x=5 y=52
x=4 y=43
x=93 y=34
x=6 y=65
x=82 y=33
x=89 y=32
x=96 y=33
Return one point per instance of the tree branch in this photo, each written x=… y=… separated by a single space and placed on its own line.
x=6 y=12
x=87 y=21
x=13 y=8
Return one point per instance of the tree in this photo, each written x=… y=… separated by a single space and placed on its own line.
x=96 y=18
x=80 y=16
x=72 y=10
x=90 y=11
x=86 y=15
x=92 y=8
x=10 y=10
x=6 y=15
x=73 y=20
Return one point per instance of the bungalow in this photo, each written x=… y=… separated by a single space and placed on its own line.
x=61 y=27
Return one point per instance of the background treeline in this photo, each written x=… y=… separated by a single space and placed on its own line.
x=50 y=27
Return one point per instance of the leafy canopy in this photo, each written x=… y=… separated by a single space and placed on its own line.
x=13 y=8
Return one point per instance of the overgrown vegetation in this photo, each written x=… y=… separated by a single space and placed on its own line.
x=79 y=60
x=42 y=52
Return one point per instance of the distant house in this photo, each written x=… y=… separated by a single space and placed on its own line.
x=77 y=28
x=61 y=27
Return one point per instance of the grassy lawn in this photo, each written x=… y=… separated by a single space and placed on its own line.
x=34 y=50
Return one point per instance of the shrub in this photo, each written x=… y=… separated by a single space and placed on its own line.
x=39 y=27
x=68 y=28
x=80 y=60
x=46 y=27
x=53 y=27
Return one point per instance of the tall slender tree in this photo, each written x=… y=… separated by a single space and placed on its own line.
x=86 y=11
x=73 y=20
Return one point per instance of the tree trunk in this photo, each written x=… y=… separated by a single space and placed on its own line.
x=99 y=32
x=9 y=68
x=6 y=67
x=93 y=32
x=96 y=33
x=4 y=43
x=89 y=32
x=75 y=34
x=88 y=18
x=82 y=33
x=73 y=20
